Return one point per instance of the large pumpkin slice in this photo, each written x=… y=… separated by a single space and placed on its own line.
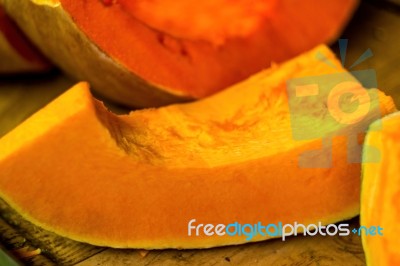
x=380 y=198
x=150 y=53
x=17 y=54
x=137 y=180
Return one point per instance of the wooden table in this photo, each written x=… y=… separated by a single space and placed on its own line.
x=375 y=26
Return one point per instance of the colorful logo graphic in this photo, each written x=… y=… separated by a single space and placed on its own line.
x=249 y=231
x=323 y=107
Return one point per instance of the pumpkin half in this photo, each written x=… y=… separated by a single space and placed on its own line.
x=380 y=197
x=137 y=180
x=151 y=53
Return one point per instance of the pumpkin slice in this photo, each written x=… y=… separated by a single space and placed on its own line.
x=137 y=180
x=380 y=198
x=151 y=53
x=17 y=54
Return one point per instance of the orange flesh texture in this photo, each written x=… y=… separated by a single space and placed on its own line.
x=213 y=21
x=380 y=202
x=16 y=40
x=137 y=180
x=179 y=55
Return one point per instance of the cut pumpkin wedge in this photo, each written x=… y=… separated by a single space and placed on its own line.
x=380 y=197
x=137 y=180
x=152 y=53
x=17 y=54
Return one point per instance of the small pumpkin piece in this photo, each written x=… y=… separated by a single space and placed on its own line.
x=17 y=54
x=380 y=197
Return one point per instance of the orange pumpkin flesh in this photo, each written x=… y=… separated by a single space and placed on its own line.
x=137 y=180
x=380 y=198
x=211 y=21
x=141 y=54
x=17 y=54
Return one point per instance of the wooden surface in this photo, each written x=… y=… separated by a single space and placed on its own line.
x=17 y=234
x=375 y=26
